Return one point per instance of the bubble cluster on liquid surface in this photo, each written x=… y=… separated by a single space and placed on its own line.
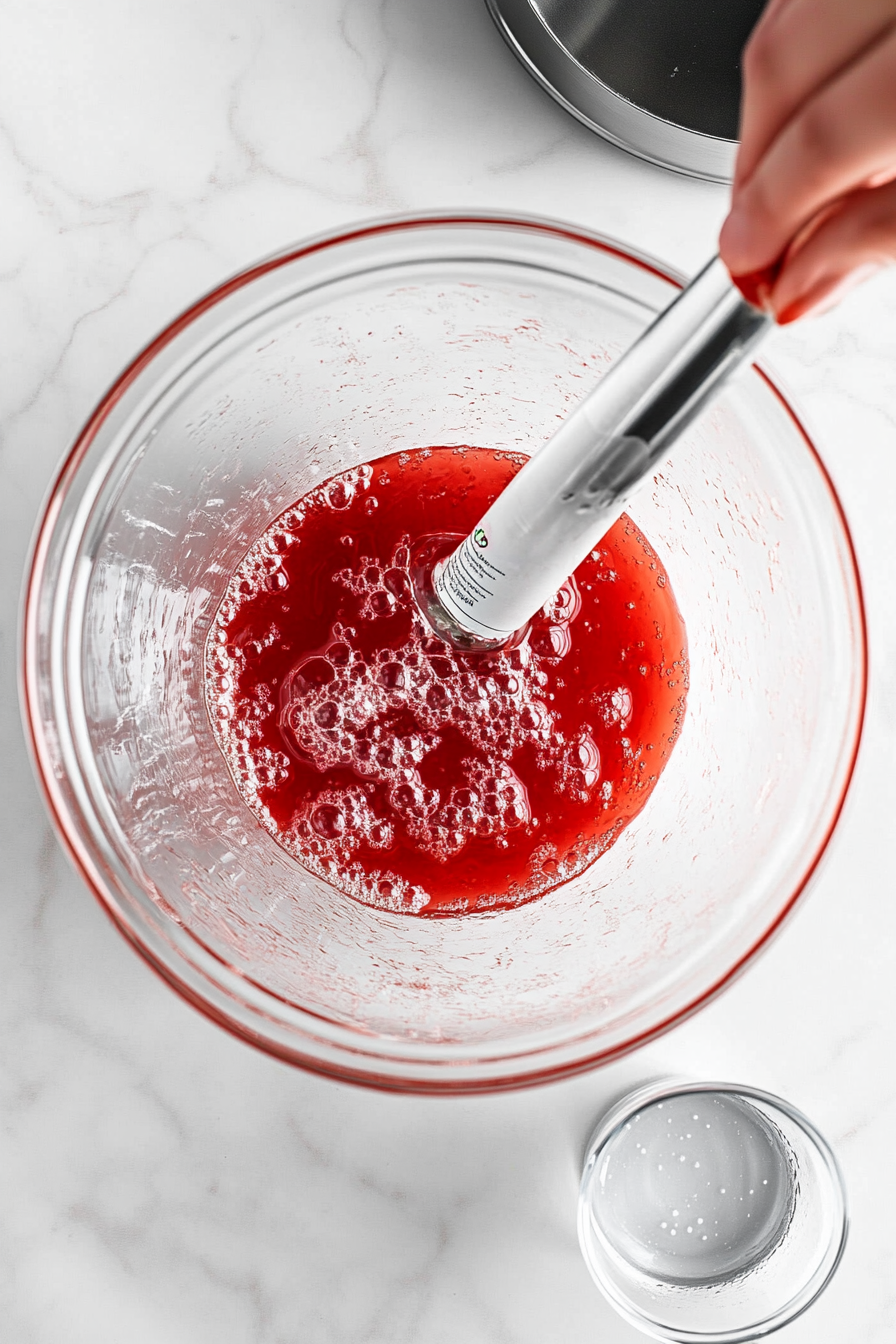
x=375 y=710
x=695 y=1189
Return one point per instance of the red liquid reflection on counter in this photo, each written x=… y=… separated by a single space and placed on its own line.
x=415 y=777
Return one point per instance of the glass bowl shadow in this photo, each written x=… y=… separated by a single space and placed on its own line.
x=440 y=330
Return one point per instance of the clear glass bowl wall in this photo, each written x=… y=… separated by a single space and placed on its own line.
x=417 y=333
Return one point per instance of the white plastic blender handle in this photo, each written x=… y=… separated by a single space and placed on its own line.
x=557 y=508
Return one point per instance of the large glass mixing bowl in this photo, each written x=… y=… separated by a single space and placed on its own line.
x=408 y=333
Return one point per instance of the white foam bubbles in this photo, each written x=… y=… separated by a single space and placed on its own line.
x=379 y=717
x=382 y=718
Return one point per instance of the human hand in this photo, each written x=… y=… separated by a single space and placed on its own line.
x=814 y=198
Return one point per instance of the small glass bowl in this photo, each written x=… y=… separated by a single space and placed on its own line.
x=409 y=333
x=710 y=1213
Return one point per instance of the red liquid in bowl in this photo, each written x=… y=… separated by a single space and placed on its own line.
x=411 y=775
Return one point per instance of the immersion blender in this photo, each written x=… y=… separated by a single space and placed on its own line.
x=566 y=497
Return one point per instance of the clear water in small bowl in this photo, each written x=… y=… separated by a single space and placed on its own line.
x=710 y=1212
x=694 y=1190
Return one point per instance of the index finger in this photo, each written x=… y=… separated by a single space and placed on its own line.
x=797 y=47
x=840 y=140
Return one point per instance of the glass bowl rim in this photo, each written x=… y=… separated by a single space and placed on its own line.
x=454 y=1082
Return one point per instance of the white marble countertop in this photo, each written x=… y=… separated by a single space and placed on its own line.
x=161 y=1181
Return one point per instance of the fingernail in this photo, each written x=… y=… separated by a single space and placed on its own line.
x=757 y=286
x=824 y=294
x=791 y=312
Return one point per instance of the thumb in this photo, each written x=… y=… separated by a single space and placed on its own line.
x=855 y=239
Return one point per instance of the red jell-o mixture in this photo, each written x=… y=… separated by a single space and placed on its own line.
x=409 y=774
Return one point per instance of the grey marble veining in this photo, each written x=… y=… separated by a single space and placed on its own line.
x=161 y=1181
